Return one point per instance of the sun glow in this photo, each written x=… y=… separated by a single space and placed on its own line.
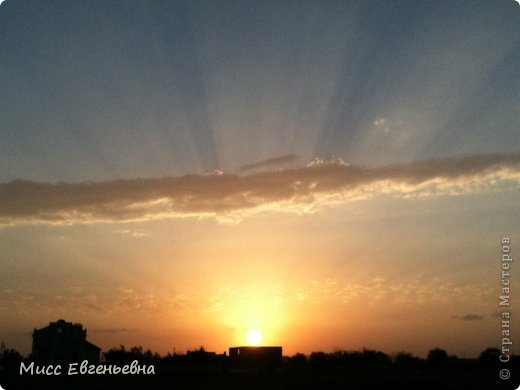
x=254 y=337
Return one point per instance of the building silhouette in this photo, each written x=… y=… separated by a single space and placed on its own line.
x=63 y=342
x=255 y=359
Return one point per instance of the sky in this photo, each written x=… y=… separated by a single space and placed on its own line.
x=335 y=175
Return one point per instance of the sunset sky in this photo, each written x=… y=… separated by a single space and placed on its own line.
x=334 y=175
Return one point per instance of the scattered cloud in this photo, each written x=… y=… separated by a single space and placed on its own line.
x=123 y=301
x=139 y=233
x=230 y=197
x=382 y=123
x=270 y=163
x=417 y=292
x=111 y=330
x=471 y=317
x=112 y=301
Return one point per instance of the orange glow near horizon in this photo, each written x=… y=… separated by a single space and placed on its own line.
x=326 y=290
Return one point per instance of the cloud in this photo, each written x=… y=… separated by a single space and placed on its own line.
x=139 y=233
x=415 y=292
x=382 y=123
x=269 y=163
x=471 y=317
x=111 y=330
x=111 y=301
x=231 y=197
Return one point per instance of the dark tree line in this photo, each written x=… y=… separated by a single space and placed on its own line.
x=356 y=360
x=123 y=356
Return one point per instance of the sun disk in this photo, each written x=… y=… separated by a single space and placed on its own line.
x=254 y=337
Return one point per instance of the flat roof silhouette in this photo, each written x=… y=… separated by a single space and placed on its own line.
x=255 y=358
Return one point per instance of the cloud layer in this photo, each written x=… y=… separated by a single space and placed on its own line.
x=472 y=317
x=270 y=163
x=228 y=196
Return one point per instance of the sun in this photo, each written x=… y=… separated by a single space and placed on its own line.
x=254 y=337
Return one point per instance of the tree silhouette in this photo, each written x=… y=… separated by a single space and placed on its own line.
x=297 y=360
x=318 y=359
x=121 y=356
x=9 y=358
x=437 y=357
x=489 y=357
x=406 y=361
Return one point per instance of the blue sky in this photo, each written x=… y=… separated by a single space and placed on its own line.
x=99 y=91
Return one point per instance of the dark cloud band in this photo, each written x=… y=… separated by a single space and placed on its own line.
x=223 y=195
